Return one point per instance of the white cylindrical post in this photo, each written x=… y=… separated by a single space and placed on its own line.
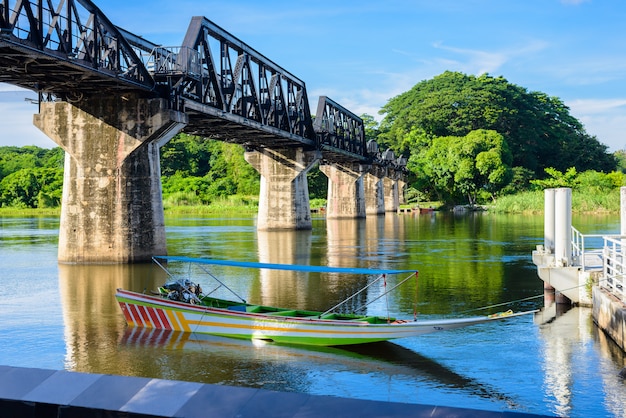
x=548 y=221
x=563 y=226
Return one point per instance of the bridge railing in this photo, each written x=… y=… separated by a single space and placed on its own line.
x=586 y=247
x=614 y=266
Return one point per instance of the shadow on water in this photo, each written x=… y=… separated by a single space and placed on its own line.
x=277 y=365
x=411 y=362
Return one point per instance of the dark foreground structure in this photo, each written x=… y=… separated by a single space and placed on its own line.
x=42 y=393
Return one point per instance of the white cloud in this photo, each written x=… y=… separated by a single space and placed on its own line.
x=604 y=118
x=16 y=119
x=482 y=61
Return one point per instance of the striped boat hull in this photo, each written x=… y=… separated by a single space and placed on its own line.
x=147 y=311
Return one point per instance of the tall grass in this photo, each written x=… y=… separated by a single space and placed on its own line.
x=524 y=202
x=177 y=204
x=582 y=202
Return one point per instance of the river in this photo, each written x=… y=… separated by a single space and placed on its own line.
x=557 y=363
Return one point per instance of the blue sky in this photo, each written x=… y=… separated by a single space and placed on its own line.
x=363 y=53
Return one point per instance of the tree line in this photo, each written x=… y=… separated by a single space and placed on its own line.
x=468 y=139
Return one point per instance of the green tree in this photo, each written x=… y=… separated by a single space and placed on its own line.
x=620 y=157
x=370 y=126
x=196 y=170
x=538 y=129
x=556 y=178
x=467 y=167
x=32 y=188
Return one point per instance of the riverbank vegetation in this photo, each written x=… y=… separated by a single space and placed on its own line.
x=477 y=141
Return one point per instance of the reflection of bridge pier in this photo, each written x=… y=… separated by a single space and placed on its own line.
x=91 y=315
x=112 y=209
x=280 y=287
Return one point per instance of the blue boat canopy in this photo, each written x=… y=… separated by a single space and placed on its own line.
x=291 y=267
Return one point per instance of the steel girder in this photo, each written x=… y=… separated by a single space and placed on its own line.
x=230 y=91
x=68 y=48
x=340 y=131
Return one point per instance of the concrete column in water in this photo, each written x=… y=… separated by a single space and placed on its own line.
x=346 y=192
x=374 y=191
x=284 y=197
x=112 y=208
x=392 y=196
x=401 y=185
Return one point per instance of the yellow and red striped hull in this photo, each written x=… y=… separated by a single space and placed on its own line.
x=156 y=312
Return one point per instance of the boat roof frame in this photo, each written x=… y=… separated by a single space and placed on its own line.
x=290 y=267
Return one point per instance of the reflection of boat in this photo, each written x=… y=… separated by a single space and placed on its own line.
x=181 y=306
x=283 y=365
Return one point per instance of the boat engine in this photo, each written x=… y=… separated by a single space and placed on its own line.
x=183 y=291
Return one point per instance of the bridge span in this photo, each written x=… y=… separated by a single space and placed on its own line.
x=111 y=99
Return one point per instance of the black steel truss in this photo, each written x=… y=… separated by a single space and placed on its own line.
x=216 y=74
x=66 y=47
x=339 y=130
x=231 y=92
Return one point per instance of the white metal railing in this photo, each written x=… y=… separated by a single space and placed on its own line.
x=584 y=246
x=614 y=266
x=611 y=250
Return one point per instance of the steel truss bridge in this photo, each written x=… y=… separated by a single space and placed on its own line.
x=69 y=50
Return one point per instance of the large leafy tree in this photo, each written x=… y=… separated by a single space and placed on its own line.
x=31 y=176
x=206 y=169
x=538 y=129
x=463 y=168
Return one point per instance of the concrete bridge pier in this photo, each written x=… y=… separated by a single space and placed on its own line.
x=112 y=206
x=374 y=191
x=392 y=195
x=346 y=191
x=401 y=185
x=284 y=196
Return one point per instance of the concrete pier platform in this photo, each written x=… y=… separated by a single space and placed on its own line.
x=42 y=393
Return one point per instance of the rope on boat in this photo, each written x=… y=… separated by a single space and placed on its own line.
x=416 y=295
x=352 y=296
x=386 y=298
x=221 y=284
x=380 y=296
x=527 y=299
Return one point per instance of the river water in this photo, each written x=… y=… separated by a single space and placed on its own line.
x=556 y=363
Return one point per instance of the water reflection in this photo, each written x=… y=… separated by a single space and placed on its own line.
x=91 y=315
x=282 y=287
x=212 y=359
x=567 y=334
x=561 y=364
